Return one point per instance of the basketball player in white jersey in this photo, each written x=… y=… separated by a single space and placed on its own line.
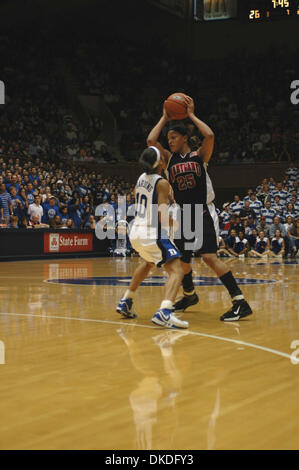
x=149 y=237
x=189 y=179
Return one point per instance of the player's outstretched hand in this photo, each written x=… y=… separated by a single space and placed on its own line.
x=190 y=105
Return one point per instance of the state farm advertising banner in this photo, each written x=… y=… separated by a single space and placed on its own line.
x=67 y=242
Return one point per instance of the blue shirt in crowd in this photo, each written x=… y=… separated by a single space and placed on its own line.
x=6 y=201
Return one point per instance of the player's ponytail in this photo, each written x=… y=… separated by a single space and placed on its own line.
x=149 y=159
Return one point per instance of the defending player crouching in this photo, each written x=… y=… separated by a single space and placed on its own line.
x=151 y=241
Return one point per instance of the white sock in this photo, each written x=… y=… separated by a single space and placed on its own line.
x=166 y=304
x=128 y=294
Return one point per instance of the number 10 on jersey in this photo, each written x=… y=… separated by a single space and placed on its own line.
x=141 y=205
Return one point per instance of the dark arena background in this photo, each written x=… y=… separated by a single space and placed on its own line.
x=82 y=84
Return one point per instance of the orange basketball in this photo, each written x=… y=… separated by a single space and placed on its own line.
x=176 y=107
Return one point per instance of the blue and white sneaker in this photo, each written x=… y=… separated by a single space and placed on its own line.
x=165 y=317
x=125 y=308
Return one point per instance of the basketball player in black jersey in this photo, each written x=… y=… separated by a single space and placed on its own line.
x=188 y=177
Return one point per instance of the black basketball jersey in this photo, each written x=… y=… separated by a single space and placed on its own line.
x=189 y=179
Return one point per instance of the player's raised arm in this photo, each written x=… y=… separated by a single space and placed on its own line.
x=152 y=138
x=206 y=149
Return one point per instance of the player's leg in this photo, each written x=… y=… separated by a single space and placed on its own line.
x=175 y=276
x=240 y=308
x=189 y=295
x=209 y=244
x=164 y=316
x=208 y=251
x=125 y=306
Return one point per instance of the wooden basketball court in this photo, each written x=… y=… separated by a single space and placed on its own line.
x=75 y=375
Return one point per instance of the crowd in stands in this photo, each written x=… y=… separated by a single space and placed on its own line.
x=265 y=222
x=40 y=139
x=250 y=113
x=42 y=194
x=37 y=120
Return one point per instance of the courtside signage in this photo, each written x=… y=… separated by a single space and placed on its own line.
x=67 y=243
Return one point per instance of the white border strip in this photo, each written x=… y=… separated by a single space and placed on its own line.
x=195 y=333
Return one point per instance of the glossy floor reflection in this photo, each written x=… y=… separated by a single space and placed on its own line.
x=74 y=375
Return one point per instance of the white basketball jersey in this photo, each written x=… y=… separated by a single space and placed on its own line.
x=146 y=202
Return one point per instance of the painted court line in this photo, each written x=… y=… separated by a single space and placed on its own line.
x=194 y=333
x=154 y=281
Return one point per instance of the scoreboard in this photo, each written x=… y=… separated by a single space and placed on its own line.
x=267 y=10
x=245 y=10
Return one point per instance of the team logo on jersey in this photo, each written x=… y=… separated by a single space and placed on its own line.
x=184 y=167
x=153 y=281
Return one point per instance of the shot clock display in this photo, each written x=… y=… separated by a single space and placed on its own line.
x=260 y=10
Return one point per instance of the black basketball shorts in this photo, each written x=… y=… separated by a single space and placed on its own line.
x=210 y=235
